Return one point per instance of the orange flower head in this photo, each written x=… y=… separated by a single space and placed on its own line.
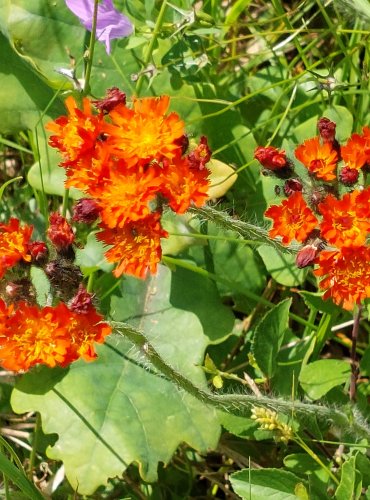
x=320 y=159
x=136 y=246
x=184 y=185
x=34 y=336
x=346 y=275
x=127 y=196
x=145 y=133
x=293 y=219
x=14 y=242
x=346 y=222
x=52 y=336
x=89 y=172
x=76 y=135
x=354 y=152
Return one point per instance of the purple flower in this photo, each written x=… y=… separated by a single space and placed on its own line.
x=110 y=22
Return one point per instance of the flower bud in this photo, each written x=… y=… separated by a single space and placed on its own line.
x=60 y=233
x=291 y=186
x=113 y=98
x=270 y=157
x=20 y=290
x=82 y=301
x=64 y=276
x=348 y=176
x=326 y=129
x=200 y=155
x=86 y=210
x=39 y=252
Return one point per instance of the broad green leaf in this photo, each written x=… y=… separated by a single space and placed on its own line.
x=319 y=377
x=346 y=488
x=282 y=267
x=264 y=484
x=119 y=410
x=180 y=233
x=113 y=412
x=182 y=301
x=269 y=335
x=302 y=463
x=23 y=95
x=239 y=426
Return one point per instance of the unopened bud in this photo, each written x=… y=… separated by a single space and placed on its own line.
x=86 y=210
x=113 y=98
x=82 y=301
x=39 y=252
x=291 y=186
x=349 y=176
x=326 y=129
x=60 y=233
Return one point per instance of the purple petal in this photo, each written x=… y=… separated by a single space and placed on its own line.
x=110 y=24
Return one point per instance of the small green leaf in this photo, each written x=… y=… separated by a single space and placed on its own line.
x=269 y=335
x=282 y=267
x=265 y=484
x=42 y=285
x=319 y=377
x=346 y=486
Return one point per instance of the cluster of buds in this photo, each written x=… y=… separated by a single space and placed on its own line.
x=268 y=420
x=327 y=211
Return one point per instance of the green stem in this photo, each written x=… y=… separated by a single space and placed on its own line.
x=90 y=282
x=90 y=57
x=65 y=202
x=148 y=54
x=317 y=459
x=347 y=421
x=36 y=436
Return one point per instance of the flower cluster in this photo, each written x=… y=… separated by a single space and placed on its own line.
x=130 y=162
x=51 y=335
x=328 y=212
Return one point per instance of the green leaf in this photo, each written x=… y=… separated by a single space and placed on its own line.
x=315 y=300
x=113 y=412
x=269 y=335
x=301 y=463
x=321 y=376
x=282 y=267
x=23 y=95
x=18 y=478
x=346 y=488
x=91 y=257
x=265 y=484
x=42 y=285
x=182 y=301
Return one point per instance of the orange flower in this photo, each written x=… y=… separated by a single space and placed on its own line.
x=89 y=172
x=13 y=244
x=145 y=133
x=183 y=185
x=354 y=152
x=320 y=159
x=34 y=336
x=126 y=196
x=85 y=330
x=50 y=336
x=136 y=246
x=346 y=275
x=76 y=135
x=346 y=222
x=293 y=219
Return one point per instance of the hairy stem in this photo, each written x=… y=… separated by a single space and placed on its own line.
x=346 y=419
x=354 y=364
